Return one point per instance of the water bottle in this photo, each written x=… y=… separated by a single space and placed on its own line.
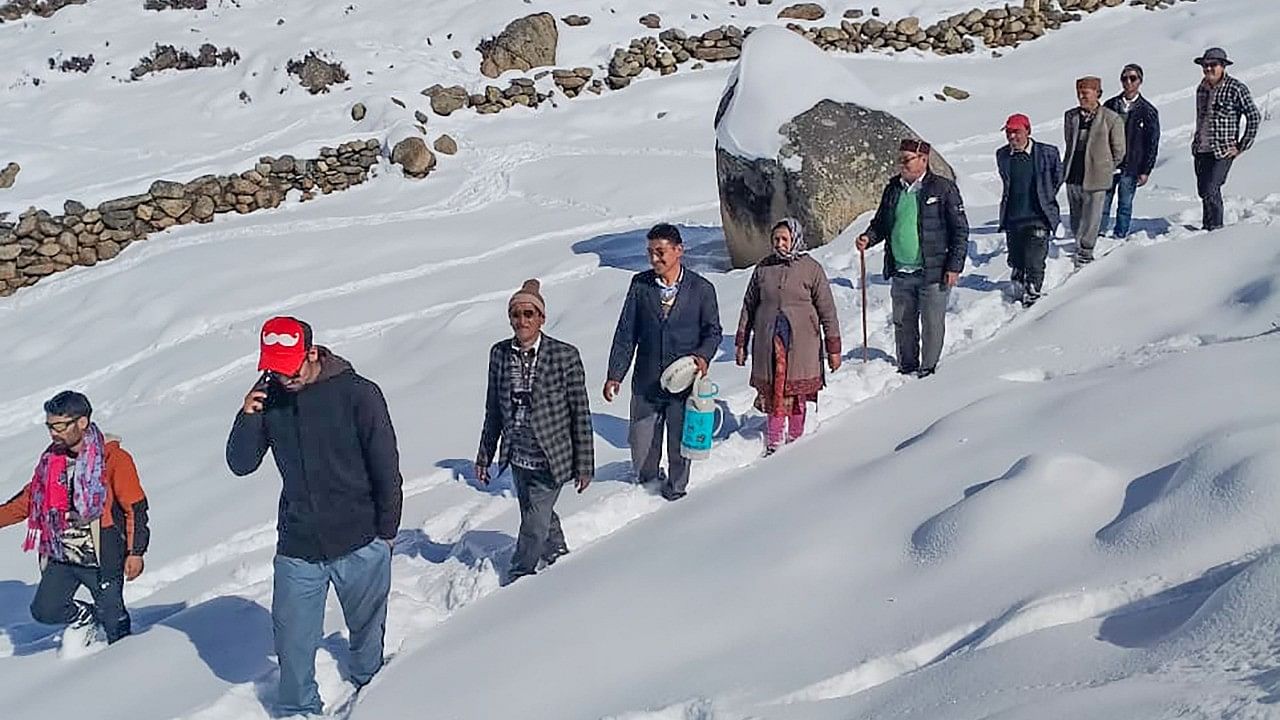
x=699 y=420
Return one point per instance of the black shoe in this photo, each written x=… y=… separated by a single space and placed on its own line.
x=550 y=557
x=1029 y=298
x=673 y=496
x=925 y=372
x=907 y=370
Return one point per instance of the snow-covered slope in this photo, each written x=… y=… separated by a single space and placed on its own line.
x=1074 y=518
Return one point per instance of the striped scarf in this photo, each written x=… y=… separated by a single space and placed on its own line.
x=47 y=519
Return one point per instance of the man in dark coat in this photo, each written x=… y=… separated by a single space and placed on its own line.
x=670 y=312
x=922 y=222
x=331 y=436
x=536 y=404
x=1141 y=142
x=1031 y=173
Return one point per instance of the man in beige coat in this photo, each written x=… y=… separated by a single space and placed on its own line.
x=1095 y=148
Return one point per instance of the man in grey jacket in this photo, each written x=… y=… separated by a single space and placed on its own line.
x=537 y=405
x=1095 y=148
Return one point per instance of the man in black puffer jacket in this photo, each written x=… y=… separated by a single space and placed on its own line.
x=331 y=435
x=1142 y=145
x=921 y=216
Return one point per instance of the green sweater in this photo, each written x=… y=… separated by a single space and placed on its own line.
x=905 y=238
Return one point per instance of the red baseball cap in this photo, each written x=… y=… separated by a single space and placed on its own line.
x=1018 y=121
x=283 y=345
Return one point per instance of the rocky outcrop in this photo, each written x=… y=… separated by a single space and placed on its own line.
x=167 y=57
x=526 y=43
x=316 y=74
x=832 y=168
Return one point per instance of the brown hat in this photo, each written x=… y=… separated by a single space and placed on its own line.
x=914 y=145
x=529 y=293
x=1089 y=81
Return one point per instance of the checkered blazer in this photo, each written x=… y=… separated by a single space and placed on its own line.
x=1229 y=102
x=559 y=411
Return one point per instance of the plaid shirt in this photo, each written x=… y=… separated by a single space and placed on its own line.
x=1218 y=112
x=522 y=369
x=558 y=412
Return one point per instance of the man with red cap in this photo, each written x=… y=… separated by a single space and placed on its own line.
x=536 y=404
x=1031 y=172
x=331 y=436
x=1095 y=149
x=922 y=222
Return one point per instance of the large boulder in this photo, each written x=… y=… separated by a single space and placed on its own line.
x=414 y=157
x=790 y=150
x=525 y=44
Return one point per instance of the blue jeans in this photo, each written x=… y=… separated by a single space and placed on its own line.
x=1127 y=186
x=362 y=579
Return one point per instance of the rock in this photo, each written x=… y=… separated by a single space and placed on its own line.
x=87 y=256
x=414 y=157
x=575 y=20
x=9 y=174
x=446 y=145
x=803 y=11
x=908 y=26
x=832 y=159
x=40 y=269
x=118 y=219
x=8 y=270
x=358 y=112
x=316 y=74
x=955 y=93
x=526 y=43
x=651 y=21
x=10 y=252
x=446 y=100
x=74 y=208
x=853 y=14
x=168 y=190
x=128 y=202
x=49 y=249
x=174 y=208
x=108 y=249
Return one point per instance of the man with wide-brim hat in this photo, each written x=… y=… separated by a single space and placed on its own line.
x=1221 y=100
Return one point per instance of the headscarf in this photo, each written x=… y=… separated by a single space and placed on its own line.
x=798 y=247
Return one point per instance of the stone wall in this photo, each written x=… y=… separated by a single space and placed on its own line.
x=40 y=243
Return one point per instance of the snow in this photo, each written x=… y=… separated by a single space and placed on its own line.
x=1076 y=517
x=779 y=76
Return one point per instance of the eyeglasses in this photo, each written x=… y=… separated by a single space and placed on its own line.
x=1129 y=78
x=1209 y=66
x=60 y=426
x=527 y=314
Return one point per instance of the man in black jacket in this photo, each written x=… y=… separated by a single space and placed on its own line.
x=670 y=312
x=1142 y=144
x=537 y=405
x=926 y=233
x=331 y=436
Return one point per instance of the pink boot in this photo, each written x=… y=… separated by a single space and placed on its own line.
x=775 y=425
x=796 y=425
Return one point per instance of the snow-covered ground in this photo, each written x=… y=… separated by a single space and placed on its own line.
x=1077 y=517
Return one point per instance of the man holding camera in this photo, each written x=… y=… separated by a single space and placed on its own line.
x=331 y=436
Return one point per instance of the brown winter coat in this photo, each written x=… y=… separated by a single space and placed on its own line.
x=799 y=288
x=1105 y=149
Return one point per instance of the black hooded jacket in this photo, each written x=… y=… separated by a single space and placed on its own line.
x=336 y=451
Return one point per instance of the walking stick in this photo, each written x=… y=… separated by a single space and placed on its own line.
x=862 y=262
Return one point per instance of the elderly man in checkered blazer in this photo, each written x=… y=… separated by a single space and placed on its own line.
x=537 y=405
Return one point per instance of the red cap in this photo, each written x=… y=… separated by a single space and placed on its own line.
x=1018 y=121
x=283 y=345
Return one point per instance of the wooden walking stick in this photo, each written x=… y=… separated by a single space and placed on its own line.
x=862 y=262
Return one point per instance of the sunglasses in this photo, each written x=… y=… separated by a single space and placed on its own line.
x=1209 y=66
x=908 y=159
x=527 y=314
x=60 y=426
x=1129 y=78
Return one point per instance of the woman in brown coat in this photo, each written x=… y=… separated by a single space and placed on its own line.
x=787 y=300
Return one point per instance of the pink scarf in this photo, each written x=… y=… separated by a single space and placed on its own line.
x=47 y=519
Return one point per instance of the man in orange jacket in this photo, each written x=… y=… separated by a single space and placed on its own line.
x=86 y=515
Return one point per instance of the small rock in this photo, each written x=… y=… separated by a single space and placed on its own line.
x=803 y=11
x=9 y=174
x=358 y=112
x=445 y=145
x=575 y=20
x=651 y=21
x=853 y=14
x=457 y=54
x=955 y=93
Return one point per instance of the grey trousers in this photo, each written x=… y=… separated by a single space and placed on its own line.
x=919 y=320
x=540 y=532
x=648 y=418
x=1086 y=218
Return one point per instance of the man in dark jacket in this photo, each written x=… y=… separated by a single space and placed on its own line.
x=537 y=405
x=921 y=216
x=670 y=312
x=331 y=436
x=1031 y=172
x=1141 y=142
x=1221 y=102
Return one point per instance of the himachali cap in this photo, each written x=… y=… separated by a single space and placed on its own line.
x=283 y=345
x=1018 y=121
x=914 y=145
